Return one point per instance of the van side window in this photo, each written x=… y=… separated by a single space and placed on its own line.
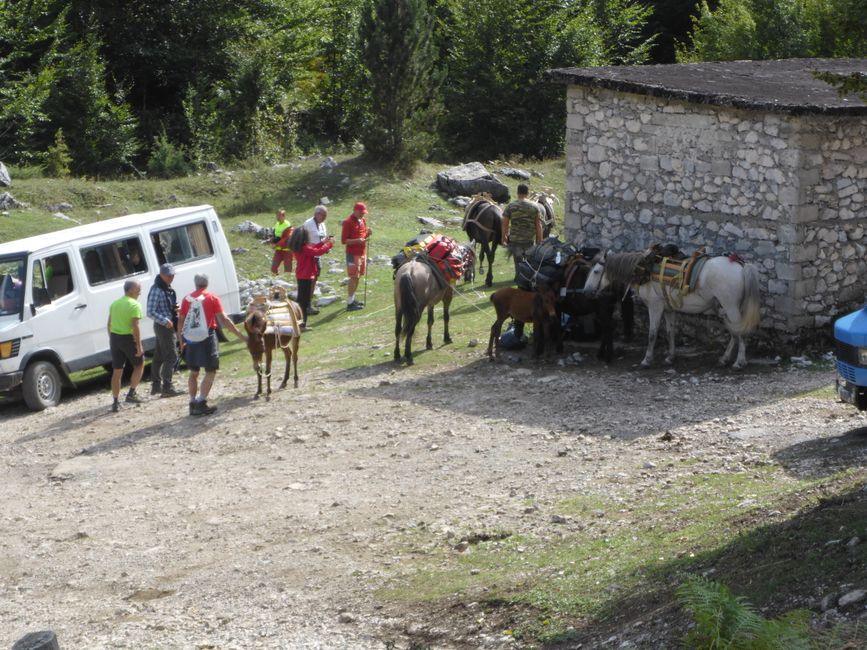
x=114 y=260
x=11 y=285
x=58 y=275
x=38 y=285
x=183 y=243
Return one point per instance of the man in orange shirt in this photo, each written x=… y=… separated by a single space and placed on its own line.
x=354 y=237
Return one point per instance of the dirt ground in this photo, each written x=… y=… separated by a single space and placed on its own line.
x=269 y=524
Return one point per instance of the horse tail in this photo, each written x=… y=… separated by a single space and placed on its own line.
x=750 y=303
x=409 y=307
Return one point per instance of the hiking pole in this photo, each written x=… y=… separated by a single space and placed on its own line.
x=366 y=256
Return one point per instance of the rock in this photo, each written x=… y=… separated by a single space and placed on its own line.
x=44 y=640
x=254 y=228
x=462 y=546
x=430 y=222
x=329 y=163
x=558 y=519
x=346 y=617
x=325 y=201
x=238 y=251
x=469 y=179
x=460 y=201
x=60 y=215
x=473 y=343
x=212 y=166
x=63 y=206
x=852 y=543
x=5 y=178
x=511 y=172
x=8 y=201
x=852 y=597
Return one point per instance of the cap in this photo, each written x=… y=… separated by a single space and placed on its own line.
x=167 y=269
x=360 y=207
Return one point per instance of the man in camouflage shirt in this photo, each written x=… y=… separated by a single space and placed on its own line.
x=522 y=225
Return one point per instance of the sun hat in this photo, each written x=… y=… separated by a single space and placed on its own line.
x=360 y=207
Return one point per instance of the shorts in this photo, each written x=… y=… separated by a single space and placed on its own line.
x=122 y=348
x=356 y=265
x=203 y=354
x=284 y=256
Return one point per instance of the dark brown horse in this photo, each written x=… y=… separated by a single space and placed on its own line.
x=538 y=307
x=483 y=223
x=265 y=334
x=576 y=302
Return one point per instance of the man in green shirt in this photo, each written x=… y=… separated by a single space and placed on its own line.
x=282 y=254
x=522 y=225
x=124 y=336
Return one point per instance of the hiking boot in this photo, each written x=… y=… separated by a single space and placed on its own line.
x=156 y=388
x=115 y=406
x=133 y=398
x=354 y=306
x=202 y=408
x=313 y=311
x=194 y=407
x=171 y=391
x=304 y=327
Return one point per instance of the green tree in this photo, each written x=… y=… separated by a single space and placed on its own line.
x=398 y=51
x=500 y=99
x=58 y=159
x=772 y=29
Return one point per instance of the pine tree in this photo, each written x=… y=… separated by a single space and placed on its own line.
x=403 y=80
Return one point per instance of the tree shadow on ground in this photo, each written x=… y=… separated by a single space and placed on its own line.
x=777 y=567
x=825 y=456
x=592 y=398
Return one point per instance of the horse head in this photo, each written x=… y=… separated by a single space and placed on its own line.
x=597 y=279
x=468 y=261
x=255 y=325
x=545 y=301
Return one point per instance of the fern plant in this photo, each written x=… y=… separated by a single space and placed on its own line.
x=724 y=621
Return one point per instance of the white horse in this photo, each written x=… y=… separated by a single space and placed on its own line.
x=733 y=285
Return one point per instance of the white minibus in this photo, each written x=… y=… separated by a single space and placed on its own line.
x=56 y=288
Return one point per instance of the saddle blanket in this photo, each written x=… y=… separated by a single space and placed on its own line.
x=680 y=274
x=441 y=250
x=282 y=330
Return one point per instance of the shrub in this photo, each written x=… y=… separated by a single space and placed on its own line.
x=168 y=160
x=58 y=158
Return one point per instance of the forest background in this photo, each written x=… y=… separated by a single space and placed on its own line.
x=102 y=88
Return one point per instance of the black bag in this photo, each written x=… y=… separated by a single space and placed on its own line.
x=544 y=264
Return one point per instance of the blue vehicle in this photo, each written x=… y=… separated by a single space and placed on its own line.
x=850 y=333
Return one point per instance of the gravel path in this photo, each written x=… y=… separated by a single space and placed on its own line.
x=270 y=524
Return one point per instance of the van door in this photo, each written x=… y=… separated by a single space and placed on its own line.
x=59 y=314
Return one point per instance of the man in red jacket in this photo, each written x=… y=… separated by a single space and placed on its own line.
x=354 y=237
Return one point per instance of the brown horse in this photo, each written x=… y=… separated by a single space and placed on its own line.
x=265 y=335
x=538 y=307
x=418 y=284
x=483 y=223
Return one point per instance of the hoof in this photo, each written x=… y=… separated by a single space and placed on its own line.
x=447 y=341
x=739 y=366
x=256 y=396
x=644 y=365
x=669 y=361
x=409 y=361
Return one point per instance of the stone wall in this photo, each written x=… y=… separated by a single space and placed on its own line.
x=786 y=192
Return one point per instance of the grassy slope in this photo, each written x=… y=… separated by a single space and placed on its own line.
x=346 y=339
x=538 y=588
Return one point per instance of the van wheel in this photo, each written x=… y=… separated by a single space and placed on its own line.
x=41 y=386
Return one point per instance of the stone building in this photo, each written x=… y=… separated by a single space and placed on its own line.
x=759 y=158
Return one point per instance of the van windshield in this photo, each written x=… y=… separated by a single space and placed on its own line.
x=12 y=284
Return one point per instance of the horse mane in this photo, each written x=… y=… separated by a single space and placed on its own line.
x=621 y=267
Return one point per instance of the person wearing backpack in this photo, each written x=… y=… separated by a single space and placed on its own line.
x=197 y=332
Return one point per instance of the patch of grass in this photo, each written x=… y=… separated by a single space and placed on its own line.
x=628 y=553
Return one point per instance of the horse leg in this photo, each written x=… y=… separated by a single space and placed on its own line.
x=397 y=328
x=730 y=348
x=654 y=313
x=268 y=355
x=407 y=350
x=487 y=249
x=295 y=343
x=670 y=330
x=742 y=354
x=447 y=301
x=605 y=314
x=287 y=357
x=627 y=314
x=257 y=366
x=428 y=342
